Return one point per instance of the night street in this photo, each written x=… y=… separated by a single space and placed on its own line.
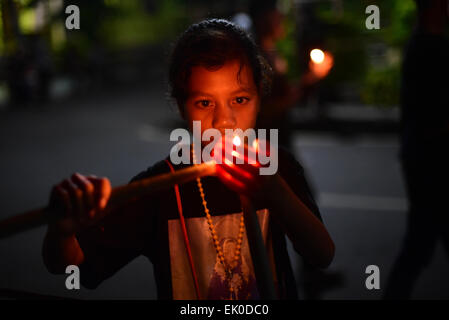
x=357 y=182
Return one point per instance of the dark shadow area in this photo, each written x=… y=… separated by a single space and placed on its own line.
x=367 y=118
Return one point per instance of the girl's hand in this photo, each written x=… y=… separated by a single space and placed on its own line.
x=243 y=178
x=75 y=203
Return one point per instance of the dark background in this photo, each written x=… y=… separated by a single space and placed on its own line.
x=94 y=101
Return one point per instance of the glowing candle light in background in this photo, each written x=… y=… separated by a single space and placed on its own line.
x=317 y=55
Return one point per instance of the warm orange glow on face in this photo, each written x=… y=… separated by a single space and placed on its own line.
x=222 y=98
x=317 y=56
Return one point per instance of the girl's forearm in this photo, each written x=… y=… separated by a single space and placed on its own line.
x=59 y=251
x=307 y=233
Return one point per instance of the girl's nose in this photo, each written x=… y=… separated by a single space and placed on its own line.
x=224 y=117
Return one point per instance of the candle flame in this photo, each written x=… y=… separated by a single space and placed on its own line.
x=317 y=55
x=236 y=141
x=255 y=144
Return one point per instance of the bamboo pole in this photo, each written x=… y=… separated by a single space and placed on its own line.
x=119 y=196
x=259 y=256
x=124 y=193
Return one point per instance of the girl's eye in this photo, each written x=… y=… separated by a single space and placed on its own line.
x=204 y=103
x=241 y=100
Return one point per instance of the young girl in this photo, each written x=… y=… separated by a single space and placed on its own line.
x=217 y=76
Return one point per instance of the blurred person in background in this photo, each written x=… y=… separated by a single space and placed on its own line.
x=269 y=28
x=424 y=143
x=29 y=71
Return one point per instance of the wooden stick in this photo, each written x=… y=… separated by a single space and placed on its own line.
x=119 y=195
x=123 y=194
x=261 y=264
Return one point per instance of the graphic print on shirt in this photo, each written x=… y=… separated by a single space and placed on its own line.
x=212 y=279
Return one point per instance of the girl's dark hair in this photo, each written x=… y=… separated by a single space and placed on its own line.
x=211 y=43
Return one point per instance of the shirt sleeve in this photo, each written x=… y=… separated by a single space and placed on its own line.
x=120 y=238
x=293 y=173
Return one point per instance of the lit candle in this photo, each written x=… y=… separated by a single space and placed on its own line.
x=317 y=56
x=237 y=141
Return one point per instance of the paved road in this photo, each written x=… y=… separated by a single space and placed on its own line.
x=361 y=195
x=357 y=182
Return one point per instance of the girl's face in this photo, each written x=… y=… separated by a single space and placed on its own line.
x=221 y=98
